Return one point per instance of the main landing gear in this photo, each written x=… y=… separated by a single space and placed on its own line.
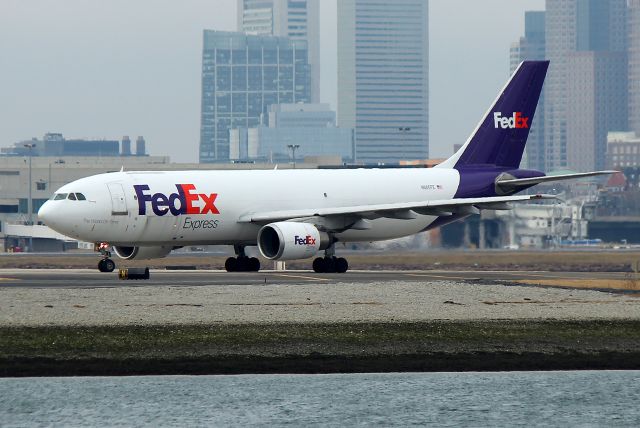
x=106 y=264
x=241 y=263
x=330 y=263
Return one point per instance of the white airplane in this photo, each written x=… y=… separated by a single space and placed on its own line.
x=295 y=214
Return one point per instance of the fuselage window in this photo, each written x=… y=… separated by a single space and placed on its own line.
x=80 y=197
x=72 y=196
x=59 y=196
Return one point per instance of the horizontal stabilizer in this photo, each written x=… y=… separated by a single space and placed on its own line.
x=514 y=183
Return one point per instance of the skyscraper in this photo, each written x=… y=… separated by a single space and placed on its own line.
x=383 y=78
x=633 y=40
x=578 y=26
x=296 y=19
x=532 y=47
x=598 y=104
x=242 y=75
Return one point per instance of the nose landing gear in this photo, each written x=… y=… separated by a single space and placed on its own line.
x=241 y=263
x=106 y=264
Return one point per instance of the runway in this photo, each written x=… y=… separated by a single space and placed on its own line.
x=84 y=278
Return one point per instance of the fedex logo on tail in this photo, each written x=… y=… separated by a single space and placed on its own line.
x=307 y=240
x=516 y=121
x=185 y=201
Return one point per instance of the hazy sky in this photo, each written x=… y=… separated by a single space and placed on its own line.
x=104 y=69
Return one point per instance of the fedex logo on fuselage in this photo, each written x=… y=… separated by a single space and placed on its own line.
x=185 y=201
x=307 y=240
x=516 y=121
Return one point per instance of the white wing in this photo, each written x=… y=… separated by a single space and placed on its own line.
x=402 y=210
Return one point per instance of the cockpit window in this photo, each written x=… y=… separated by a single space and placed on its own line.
x=69 y=196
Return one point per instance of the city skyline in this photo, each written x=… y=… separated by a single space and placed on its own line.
x=121 y=70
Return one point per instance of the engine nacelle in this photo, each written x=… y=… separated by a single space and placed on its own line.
x=288 y=240
x=141 y=253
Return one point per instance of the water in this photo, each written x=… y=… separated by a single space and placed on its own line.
x=602 y=398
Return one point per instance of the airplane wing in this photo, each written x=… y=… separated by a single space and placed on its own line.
x=402 y=211
x=511 y=184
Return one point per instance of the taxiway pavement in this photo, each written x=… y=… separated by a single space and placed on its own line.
x=66 y=278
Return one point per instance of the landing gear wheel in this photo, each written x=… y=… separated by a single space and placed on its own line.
x=318 y=265
x=254 y=264
x=341 y=265
x=231 y=265
x=330 y=265
x=242 y=264
x=106 y=265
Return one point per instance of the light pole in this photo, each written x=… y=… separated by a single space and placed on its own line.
x=293 y=148
x=30 y=201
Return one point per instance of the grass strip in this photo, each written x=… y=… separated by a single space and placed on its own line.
x=319 y=348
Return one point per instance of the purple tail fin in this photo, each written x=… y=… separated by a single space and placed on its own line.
x=501 y=136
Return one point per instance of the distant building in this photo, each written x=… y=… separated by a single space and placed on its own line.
x=633 y=26
x=623 y=150
x=597 y=90
x=383 y=78
x=532 y=47
x=54 y=144
x=311 y=127
x=242 y=75
x=301 y=116
x=578 y=26
x=295 y=19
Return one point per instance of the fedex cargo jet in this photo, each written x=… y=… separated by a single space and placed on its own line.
x=296 y=214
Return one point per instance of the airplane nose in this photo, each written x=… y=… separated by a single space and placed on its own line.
x=46 y=214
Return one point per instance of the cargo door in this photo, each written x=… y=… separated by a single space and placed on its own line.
x=118 y=200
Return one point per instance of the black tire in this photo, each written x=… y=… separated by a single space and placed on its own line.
x=231 y=265
x=318 y=265
x=341 y=265
x=101 y=266
x=254 y=264
x=243 y=264
x=109 y=265
x=329 y=264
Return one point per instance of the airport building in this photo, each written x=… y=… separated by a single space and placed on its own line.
x=532 y=47
x=242 y=75
x=581 y=37
x=300 y=130
x=54 y=144
x=295 y=19
x=383 y=78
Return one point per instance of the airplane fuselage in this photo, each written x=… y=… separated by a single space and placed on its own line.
x=206 y=207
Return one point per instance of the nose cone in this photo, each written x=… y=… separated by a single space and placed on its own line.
x=47 y=215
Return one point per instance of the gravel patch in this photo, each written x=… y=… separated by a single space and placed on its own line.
x=396 y=301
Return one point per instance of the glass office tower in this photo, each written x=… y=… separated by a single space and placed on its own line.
x=242 y=75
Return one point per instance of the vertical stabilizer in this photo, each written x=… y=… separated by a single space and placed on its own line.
x=500 y=137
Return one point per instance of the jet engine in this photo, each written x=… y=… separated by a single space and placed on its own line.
x=287 y=240
x=141 y=253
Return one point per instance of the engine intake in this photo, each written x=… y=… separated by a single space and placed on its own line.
x=141 y=253
x=287 y=240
